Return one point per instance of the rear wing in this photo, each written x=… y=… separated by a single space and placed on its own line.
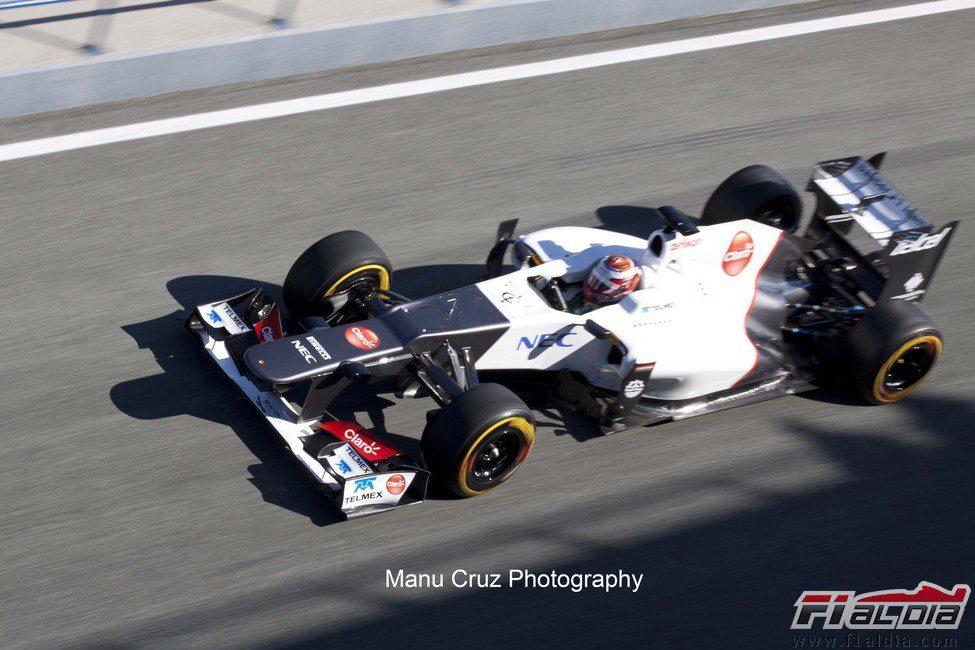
x=852 y=191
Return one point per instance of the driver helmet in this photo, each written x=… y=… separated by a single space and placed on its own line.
x=611 y=279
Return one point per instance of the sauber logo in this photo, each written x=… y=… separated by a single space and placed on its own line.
x=914 y=282
x=396 y=484
x=928 y=607
x=739 y=254
x=362 y=338
x=922 y=243
x=633 y=388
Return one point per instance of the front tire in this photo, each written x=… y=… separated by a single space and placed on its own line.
x=892 y=348
x=477 y=441
x=758 y=193
x=322 y=276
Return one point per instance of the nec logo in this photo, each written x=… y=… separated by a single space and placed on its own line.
x=303 y=351
x=922 y=243
x=546 y=341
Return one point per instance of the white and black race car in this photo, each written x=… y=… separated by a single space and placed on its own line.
x=733 y=308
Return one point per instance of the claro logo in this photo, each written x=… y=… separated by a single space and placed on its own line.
x=362 y=338
x=739 y=254
x=366 y=446
x=396 y=484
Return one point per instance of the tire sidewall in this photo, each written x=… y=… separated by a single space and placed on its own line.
x=879 y=338
x=454 y=434
x=330 y=267
x=748 y=194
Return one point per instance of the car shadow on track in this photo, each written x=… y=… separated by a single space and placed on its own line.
x=629 y=220
x=422 y=281
x=885 y=510
x=895 y=513
x=191 y=384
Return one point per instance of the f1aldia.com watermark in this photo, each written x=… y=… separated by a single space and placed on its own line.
x=516 y=579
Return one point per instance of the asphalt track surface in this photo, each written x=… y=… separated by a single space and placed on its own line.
x=145 y=504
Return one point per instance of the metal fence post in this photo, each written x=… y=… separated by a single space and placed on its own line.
x=284 y=13
x=98 y=29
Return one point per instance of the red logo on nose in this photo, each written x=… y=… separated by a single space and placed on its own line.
x=739 y=254
x=362 y=338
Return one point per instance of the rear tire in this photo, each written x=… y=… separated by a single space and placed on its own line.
x=322 y=275
x=892 y=349
x=757 y=192
x=476 y=442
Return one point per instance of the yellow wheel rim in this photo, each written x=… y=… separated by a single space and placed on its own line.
x=383 y=278
x=519 y=423
x=878 y=384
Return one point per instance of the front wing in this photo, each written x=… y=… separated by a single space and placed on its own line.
x=361 y=474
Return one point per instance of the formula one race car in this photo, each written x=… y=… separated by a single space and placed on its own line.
x=732 y=308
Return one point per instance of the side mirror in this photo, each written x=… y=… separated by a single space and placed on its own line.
x=597 y=330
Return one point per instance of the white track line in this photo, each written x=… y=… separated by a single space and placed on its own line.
x=269 y=110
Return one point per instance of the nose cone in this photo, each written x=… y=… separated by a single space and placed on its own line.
x=320 y=351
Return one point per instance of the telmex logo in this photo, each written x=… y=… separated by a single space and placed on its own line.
x=929 y=607
x=362 y=338
x=546 y=341
x=363 y=484
x=739 y=254
x=922 y=243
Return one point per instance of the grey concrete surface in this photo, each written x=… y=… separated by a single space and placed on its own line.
x=144 y=504
x=55 y=33
x=219 y=61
